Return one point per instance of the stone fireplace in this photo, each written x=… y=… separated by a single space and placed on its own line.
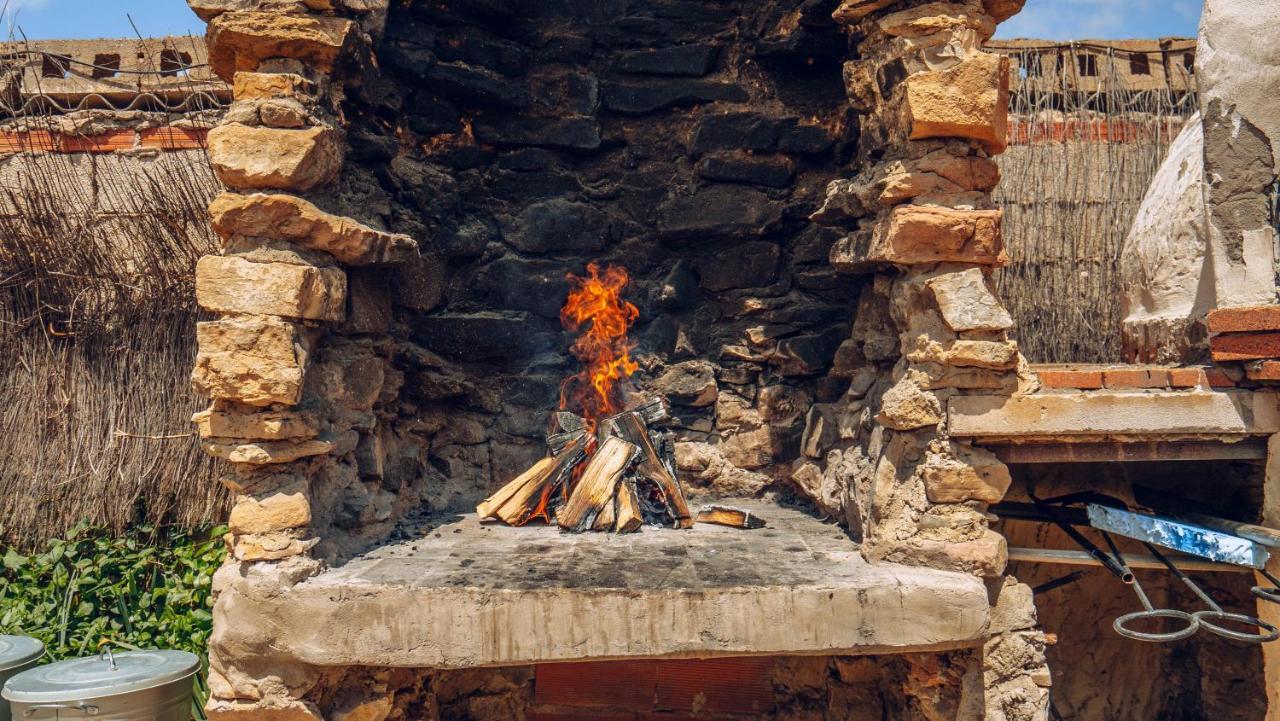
x=800 y=193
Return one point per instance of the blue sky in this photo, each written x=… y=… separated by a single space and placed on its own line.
x=1046 y=19
x=1103 y=19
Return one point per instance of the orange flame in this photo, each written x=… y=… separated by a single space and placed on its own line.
x=603 y=348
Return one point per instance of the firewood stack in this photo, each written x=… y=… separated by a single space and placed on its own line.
x=618 y=478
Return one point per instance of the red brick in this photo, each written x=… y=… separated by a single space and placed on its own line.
x=1267 y=370
x=582 y=715
x=1195 y=377
x=1246 y=318
x=1244 y=346
x=716 y=686
x=629 y=685
x=1122 y=377
x=1080 y=378
x=1219 y=378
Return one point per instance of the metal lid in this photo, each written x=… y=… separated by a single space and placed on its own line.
x=18 y=651
x=100 y=676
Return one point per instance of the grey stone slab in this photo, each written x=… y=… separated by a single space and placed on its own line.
x=471 y=594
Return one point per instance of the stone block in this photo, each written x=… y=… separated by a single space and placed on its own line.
x=259 y=158
x=238 y=710
x=1244 y=346
x=849 y=12
x=1014 y=609
x=984 y=556
x=270 y=547
x=906 y=407
x=293 y=219
x=938 y=17
x=968 y=100
x=239 y=41
x=284 y=509
x=266 y=86
x=256 y=361
x=965 y=473
x=229 y=284
x=992 y=355
x=967 y=303
x=1001 y=10
x=229 y=420
x=917 y=234
x=1115 y=413
x=262 y=453
x=969 y=172
x=1248 y=318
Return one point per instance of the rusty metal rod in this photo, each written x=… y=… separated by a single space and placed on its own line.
x=1133 y=560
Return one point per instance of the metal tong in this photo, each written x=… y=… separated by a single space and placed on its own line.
x=1114 y=562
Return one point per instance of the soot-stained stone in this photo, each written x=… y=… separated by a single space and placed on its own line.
x=773 y=172
x=468 y=240
x=430 y=114
x=568 y=93
x=810 y=353
x=524 y=188
x=477 y=85
x=573 y=49
x=803 y=43
x=414 y=60
x=808 y=139
x=558 y=224
x=750 y=265
x=537 y=286
x=687 y=60
x=642 y=98
x=485 y=336
x=527 y=159
x=369 y=146
x=470 y=47
x=679 y=289
x=717 y=211
x=732 y=131
x=565 y=133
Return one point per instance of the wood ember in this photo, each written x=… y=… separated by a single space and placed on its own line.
x=729 y=516
x=619 y=478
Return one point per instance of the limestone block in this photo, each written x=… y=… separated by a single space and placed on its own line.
x=967 y=303
x=240 y=40
x=270 y=547
x=906 y=406
x=286 y=508
x=267 y=86
x=283 y=113
x=938 y=17
x=964 y=473
x=256 y=361
x=993 y=355
x=230 y=420
x=229 y=284
x=917 y=234
x=850 y=12
x=228 y=710
x=984 y=556
x=692 y=383
x=970 y=172
x=968 y=100
x=289 y=218
x=248 y=157
x=1014 y=609
x=1001 y=10
x=261 y=453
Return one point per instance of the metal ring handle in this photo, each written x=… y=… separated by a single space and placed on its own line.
x=85 y=708
x=1271 y=632
x=1193 y=625
x=111 y=659
x=1267 y=593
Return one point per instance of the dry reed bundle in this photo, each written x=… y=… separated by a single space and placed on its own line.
x=97 y=334
x=1083 y=151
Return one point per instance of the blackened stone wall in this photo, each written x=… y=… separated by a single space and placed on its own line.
x=687 y=140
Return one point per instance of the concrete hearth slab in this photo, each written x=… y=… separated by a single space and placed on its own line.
x=1117 y=415
x=470 y=594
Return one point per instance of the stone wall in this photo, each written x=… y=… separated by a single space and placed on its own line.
x=403 y=207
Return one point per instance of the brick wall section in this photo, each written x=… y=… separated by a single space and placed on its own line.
x=25 y=141
x=1095 y=377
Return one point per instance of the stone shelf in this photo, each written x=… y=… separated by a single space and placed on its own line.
x=466 y=594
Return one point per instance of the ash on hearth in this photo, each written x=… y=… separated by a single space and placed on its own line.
x=620 y=477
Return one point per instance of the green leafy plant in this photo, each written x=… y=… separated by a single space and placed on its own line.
x=149 y=588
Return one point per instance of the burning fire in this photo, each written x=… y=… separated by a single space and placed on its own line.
x=595 y=300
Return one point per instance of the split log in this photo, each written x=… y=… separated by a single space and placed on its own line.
x=729 y=516
x=629 y=517
x=597 y=486
x=630 y=426
x=521 y=500
x=604 y=519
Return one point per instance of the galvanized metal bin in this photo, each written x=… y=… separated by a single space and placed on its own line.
x=17 y=654
x=125 y=686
